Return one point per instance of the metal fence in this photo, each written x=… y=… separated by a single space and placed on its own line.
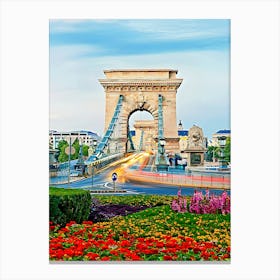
x=181 y=178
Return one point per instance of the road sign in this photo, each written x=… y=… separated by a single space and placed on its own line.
x=67 y=150
x=114 y=176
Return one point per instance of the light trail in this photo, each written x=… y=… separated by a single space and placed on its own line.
x=135 y=159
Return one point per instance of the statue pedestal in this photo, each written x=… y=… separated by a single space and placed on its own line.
x=195 y=157
x=195 y=148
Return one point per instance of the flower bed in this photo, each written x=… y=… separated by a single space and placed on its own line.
x=155 y=234
x=100 y=213
x=202 y=204
x=136 y=200
x=89 y=242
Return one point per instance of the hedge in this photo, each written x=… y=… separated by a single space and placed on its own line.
x=69 y=205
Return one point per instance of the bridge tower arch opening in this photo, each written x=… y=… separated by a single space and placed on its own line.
x=140 y=90
x=142 y=124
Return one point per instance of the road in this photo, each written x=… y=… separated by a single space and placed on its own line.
x=102 y=181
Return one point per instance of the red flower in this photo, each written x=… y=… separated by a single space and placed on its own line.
x=196 y=250
x=205 y=255
x=105 y=247
x=87 y=222
x=209 y=245
x=150 y=251
x=225 y=256
x=111 y=242
x=92 y=256
x=171 y=244
x=159 y=244
x=135 y=257
x=167 y=258
x=125 y=243
x=71 y=223
x=114 y=252
x=64 y=230
x=124 y=251
x=141 y=246
x=105 y=259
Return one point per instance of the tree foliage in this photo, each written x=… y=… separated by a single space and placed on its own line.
x=62 y=145
x=85 y=150
x=216 y=152
x=227 y=150
x=212 y=152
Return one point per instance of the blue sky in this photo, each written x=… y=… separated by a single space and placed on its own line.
x=81 y=49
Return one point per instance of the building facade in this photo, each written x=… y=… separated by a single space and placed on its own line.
x=84 y=137
x=215 y=136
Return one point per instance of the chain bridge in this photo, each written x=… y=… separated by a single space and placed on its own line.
x=128 y=91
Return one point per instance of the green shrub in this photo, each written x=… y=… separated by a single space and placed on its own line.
x=69 y=205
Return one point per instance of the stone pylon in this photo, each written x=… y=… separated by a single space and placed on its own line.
x=140 y=89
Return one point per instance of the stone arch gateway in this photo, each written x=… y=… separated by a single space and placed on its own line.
x=140 y=89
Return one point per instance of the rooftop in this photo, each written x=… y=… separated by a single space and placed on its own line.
x=223 y=131
x=183 y=132
x=141 y=70
x=142 y=74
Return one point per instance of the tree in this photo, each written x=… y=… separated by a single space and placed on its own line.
x=62 y=145
x=227 y=150
x=85 y=150
x=212 y=152
x=62 y=157
x=76 y=145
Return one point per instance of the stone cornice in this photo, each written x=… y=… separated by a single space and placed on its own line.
x=113 y=83
x=140 y=82
x=141 y=70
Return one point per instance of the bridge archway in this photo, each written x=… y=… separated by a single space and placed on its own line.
x=142 y=123
x=140 y=89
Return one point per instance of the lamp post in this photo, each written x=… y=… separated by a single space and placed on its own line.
x=80 y=165
x=69 y=161
x=162 y=144
x=222 y=144
x=94 y=149
x=162 y=164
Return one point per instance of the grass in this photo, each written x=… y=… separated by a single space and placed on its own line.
x=61 y=191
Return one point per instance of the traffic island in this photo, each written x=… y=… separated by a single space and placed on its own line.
x=108 y=191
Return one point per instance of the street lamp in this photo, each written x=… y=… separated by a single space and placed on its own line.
x=92 y=167
x=222 y=144
x=80 y=163
x=162 y=164
x=162 y=144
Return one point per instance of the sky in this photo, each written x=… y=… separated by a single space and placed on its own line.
x=80 y=50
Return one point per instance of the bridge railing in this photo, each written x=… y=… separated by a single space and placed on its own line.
x=100 y=163
x=214 y=181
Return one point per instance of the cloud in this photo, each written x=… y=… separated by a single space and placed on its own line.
x=130 y=37
x=81 y=50
x=174 y=29
x=203 y=97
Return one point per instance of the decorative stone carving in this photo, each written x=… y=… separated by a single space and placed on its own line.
x=195 y=148
x=195 y=139
x=141 y=101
